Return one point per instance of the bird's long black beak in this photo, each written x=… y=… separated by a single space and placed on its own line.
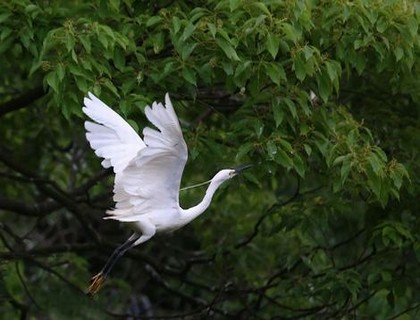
x=242 y=168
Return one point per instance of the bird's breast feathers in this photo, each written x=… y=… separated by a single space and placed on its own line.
x=165 y=220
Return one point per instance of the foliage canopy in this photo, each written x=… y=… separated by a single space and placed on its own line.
x=325 y=226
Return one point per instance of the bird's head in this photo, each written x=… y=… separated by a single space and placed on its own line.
x=227 y=174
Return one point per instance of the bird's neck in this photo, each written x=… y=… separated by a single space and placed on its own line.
x=193 y=212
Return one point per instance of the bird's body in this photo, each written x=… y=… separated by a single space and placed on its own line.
x=148 y=172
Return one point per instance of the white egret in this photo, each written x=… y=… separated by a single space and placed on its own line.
x=147 y=173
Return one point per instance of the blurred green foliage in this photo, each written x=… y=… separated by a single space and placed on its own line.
x=325 y=226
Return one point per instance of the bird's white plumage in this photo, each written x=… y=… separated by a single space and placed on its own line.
x=148 y=171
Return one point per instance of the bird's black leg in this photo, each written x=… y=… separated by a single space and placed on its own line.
x=98 y=280
x=116 y=255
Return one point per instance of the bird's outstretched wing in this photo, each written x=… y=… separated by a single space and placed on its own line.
x=111 y=136
x=151 y=179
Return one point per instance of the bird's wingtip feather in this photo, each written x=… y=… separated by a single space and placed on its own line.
x=168 y=99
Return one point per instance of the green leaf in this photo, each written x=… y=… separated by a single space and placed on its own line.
x=243 y=150
x=399 y=53
x=227 y=49
x=359 y=63
x=187 y=49
x=413 y=25
x=228 y=68
x=250 y=177
x=176 y=23
x=60 y=72
x=374 y=182
x=26 y=37
x=52 y=80
x=189 y=75
x=74 y=56
x=331 y=71
x=271 y=149
x=103 y=39
x=6 y=32
x=234 y=4
x=397 y=179
x=290 y=32
x=261 y=6
x=243 y=73
x=324 y=86
x=4 y=16
x=119 y=59
x=382 y=24
x=35 y=66
x=308 y=149
x=345 y=170
x=69 y=42
x=272 y=44
x=276 y=72
x=375 y=163
x=108 y=31
x=358 y=44
x=291 y=106
x=283 y=159
x=308 y=52
x=197 y=13
x=109 y=85
x=85 y=42
x=286 y=146
x=122 y=41
x=378 y=151
x=153 y=20
x=77 y=70
x=299 y=166
x=188 y=31
x=341 y=159
x=212 y=29
x=115 y=5
x=390 y=237
x=299 y=67
x=205 y=73
x=278 y=113
x=397 y=175
x=404 y=231
x=224 y=35
x=158 y=41
x=127 y=86
x=5 y=45
x=304 y=103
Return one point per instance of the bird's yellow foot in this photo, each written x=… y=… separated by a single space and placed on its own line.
x=96 y=283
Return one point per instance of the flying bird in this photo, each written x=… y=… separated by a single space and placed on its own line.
x=147 y=171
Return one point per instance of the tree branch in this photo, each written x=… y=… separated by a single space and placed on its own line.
x=266 y=214
x=51 y=189
x=22 y=101
x=37 y=209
